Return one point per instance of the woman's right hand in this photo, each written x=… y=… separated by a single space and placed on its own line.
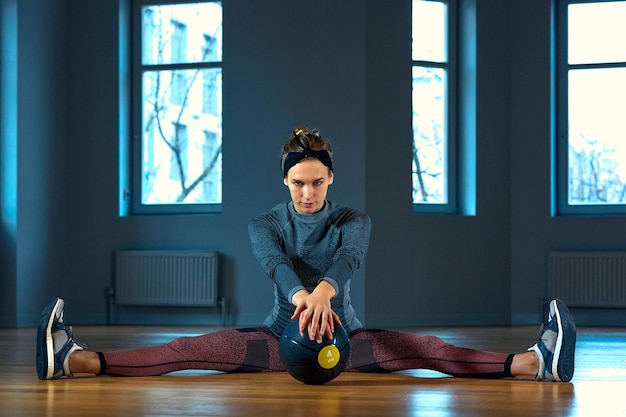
x=315 y=313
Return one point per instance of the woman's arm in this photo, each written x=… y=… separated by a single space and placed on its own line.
x=314 y=309
x=355 y=229
x=266 y=246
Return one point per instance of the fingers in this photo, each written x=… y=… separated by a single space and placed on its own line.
x=314 y=332
x=335 y=320
x=309 y=319
x=296 y=313
x=315 y=326
x=329 y=329
x=315 y=316
x=319 y=324
x=304 y=320
x=328 y=332
x=327 y=326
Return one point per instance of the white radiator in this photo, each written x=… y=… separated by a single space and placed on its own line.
x=166 y=278
x=588 y=279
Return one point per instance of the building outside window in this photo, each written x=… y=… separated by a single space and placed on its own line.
x=433 y=75
x=591 y=107
x=177 y=122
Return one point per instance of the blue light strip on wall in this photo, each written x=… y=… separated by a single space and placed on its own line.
x=8 y=115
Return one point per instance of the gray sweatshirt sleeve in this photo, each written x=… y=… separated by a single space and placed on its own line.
x=355 y=234
x=267 y=249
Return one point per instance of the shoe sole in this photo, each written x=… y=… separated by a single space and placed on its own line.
x=563 y=361
x=45 y=344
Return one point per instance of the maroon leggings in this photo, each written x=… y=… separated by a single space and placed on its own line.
x=256 y=350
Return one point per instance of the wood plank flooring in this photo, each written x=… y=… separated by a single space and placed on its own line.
x=598 y=387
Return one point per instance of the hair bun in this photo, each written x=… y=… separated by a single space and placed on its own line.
x=300 y=130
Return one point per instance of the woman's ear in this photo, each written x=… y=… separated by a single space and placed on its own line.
x=285 y=181
x=331 y=178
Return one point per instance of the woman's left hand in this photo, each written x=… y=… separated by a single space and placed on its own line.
x=316 y=314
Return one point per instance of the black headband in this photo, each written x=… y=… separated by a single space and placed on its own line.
x=292 y=158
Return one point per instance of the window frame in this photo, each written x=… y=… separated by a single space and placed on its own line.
x=132 y=186
x=560 y=169
x=451 y=119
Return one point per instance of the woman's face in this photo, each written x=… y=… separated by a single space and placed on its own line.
x=308 y=182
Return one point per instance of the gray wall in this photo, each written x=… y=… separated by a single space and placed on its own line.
x=341 y=66
x=534 y=232
x=34 y=229
x=426 y=269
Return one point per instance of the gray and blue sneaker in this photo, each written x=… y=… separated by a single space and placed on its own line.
x=557 y=344
x=54 y=343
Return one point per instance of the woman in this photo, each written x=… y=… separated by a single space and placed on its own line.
x=309 y=247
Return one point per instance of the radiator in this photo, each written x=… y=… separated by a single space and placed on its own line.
x=166 y=278
x=588 y=279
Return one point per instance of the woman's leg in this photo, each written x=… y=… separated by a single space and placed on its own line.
x=390 y=351
x=243 y=350
x=551 y=358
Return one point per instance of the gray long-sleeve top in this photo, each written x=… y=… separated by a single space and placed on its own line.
x=297 y=251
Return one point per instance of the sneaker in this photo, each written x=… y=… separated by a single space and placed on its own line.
x=54 y=343
x=555 y=348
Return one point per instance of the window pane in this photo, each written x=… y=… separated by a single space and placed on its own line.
x=429 y=31
x=182 y=33
x=596 y=32
x=182 y=137
x=429 y=135
x=597 y=136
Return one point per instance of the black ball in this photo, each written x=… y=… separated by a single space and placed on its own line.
x=311 y=362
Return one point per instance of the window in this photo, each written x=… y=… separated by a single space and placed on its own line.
x=434 y=159
x=591 y=107
x=177 y=94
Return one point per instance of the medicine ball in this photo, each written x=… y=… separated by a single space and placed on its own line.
x=311 y=362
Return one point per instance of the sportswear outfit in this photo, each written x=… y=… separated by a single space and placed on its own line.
x=297 y=251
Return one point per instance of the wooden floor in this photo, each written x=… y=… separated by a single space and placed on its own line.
x=598 y=387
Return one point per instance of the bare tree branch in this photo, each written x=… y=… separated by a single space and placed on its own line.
x=202 y=176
